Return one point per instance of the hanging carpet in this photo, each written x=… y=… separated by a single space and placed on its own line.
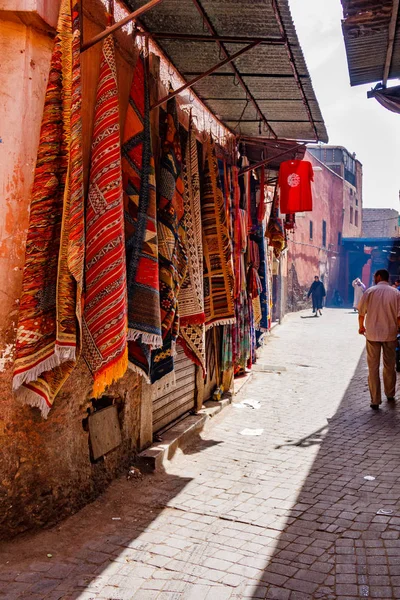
x=139 y=186
x=218 y=269
x=275 y=232
x=172 y=254
x=48 y=335
x=105 y=314
x=191 y=301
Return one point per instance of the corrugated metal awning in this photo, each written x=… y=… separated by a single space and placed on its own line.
x=267 y=91
x=371 y=30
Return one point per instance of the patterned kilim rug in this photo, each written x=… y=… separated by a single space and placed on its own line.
x=275 y=232
x=48 y=339
x=218 y=269
x=144 y=319
x=172 y=254
x=105 y=316
x=191 y=302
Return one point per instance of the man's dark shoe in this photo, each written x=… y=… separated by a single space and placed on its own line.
x=391 y=399
x=374 y=406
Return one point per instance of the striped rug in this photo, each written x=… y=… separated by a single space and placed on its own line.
x=48 y=338
x=218 y=268
x=105 y=315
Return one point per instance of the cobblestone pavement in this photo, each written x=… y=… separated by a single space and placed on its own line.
x=284 y=515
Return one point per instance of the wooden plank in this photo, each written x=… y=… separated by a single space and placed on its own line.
x=104 y=431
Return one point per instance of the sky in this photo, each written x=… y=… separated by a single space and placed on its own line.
x=361 y=125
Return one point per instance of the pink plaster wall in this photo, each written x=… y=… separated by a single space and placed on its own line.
x=307 y=257
x=45 y=469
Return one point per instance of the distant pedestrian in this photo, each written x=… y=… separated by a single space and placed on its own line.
x=380 y=304
x=317 y=293
x=359 y=289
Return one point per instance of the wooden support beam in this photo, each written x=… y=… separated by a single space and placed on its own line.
x=391 y=36
x=238 y=76
x=140 y=11
x=268 y=160
x=192 y=82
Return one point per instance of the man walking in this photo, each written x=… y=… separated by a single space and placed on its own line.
x=380 y=305
x=317 y=293
x=359 y=289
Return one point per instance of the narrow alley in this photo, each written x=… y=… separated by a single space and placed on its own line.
x=288 y=514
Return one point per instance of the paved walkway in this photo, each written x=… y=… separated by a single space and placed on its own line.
x=284 y=515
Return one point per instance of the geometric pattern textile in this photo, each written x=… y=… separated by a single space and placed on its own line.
x=48 y=335
x=172 y=254
x=218 y=269
x=138 y=173
x=140 y=205
x=191 y=301
x=105 y=315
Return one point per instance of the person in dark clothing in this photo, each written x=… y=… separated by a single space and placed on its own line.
x=317 y=293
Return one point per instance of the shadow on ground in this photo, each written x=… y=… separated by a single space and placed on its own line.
x=122 y=526
x=334 y=544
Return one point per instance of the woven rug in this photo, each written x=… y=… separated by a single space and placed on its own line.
x=172 y=254
x=105 y=315
x=138 y=173
x=48 y=339
x=190 y=299
x=275 y=232
x=218 y=269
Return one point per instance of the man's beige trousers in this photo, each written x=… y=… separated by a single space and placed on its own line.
x=389 y=369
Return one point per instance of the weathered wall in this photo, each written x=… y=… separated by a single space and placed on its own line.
x=307 y=256
x=380 y=222
x=45 y=468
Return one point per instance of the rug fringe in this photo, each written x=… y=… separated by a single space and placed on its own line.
x=30 y=398
x=220 y=322
x=61 y=354
x=151 y=339
x=111 y=374
x=138 y=371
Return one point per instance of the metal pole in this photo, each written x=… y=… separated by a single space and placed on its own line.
x=206 y=74
x=99 y=37
x=238 y=76
x=293 y=66
x=268 y=160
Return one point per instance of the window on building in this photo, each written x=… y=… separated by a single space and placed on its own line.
x=356 y=201
x=351 y=214
x=311 y=230
x=329 y=155
x=324 y=234
x=356 y=218
x=339 y=238
x=351 y=191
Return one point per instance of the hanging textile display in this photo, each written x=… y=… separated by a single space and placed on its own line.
x=172 y=253
x=254 y=286
x=290 y=222
x=105 y=315
x=241 y=333
x=295 y=177
x=139 y=186
x=218 y=268
x=48 y=335
x=275 y=232
x=190 y=299
x=263 y=274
